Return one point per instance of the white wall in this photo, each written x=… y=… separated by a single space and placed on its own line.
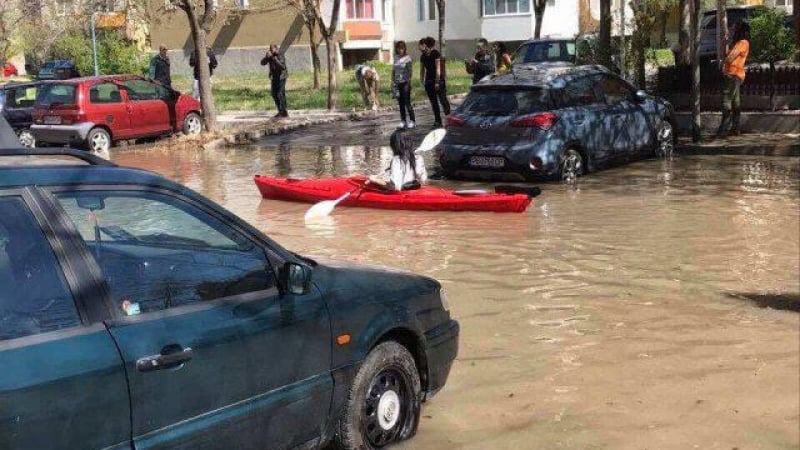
x=462 y=21
x=561 y=19
x=508 y=28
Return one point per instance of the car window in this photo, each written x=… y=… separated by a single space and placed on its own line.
x=139 y=89
x=158 y=252
x=34 y=297
x=105 y=93
x=543 y=52
x=499 y=102
x=56 y=94
x=614 y=90
x=580 y=92
x=21 y=97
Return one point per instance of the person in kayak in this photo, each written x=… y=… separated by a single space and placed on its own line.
x=406 y=170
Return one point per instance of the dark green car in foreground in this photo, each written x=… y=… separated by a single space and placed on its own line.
x=136 y=314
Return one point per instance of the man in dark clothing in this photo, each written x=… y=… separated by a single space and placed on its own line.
x=482 y=65
x=159 y=68
x=278 y=74
x=212 y=64
x=432 y=76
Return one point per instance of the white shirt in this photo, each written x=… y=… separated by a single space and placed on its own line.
x=400 y=172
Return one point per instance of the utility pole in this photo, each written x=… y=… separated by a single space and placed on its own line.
x=622 y=65
x=94 y=45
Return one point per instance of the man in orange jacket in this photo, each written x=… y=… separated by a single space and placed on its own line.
x=733 y=72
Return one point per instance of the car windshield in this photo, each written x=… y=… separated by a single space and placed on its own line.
x=535 y=52
x=503 y=102
x=56 y=94
x=47 y=68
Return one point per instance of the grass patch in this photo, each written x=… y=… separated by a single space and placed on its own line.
x=250 y=91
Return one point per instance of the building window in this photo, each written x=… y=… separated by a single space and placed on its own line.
x=783 y=3
x=503 y=7
x=551 y=3
x=426 y=7
x=360 y=9
x=384 y=10
x=242 y=4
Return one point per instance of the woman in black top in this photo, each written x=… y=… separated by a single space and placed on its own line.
x=432 y=76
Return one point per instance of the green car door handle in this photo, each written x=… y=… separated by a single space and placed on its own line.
x=171 y=357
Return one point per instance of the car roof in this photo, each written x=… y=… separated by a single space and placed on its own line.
x=21 y=84
x=549 y=39
x=540 y=75
x=90 y=79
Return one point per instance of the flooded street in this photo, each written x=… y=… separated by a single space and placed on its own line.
x=622 y=314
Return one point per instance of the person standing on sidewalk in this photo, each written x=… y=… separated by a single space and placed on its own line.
x=733 y=73
x=212 y=64
x=159 y=68
x=277 y=74
x=402 y=71
x=481 y=65
x=369 y=84
x=432 y=77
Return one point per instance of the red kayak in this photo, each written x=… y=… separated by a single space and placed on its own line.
x=426 y=198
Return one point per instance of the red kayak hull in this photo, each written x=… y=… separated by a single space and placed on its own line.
x=427 y=198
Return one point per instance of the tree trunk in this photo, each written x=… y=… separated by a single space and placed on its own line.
x=684 y=34
x=797 y=26
x=313 y=45
x=722 y=31
x=441 y=6
x=623 y=66
x=604 y=38
x=538 y=10
x=697 y=124
x=333 y=93
x=772 y=85
x=662 y=39
x=199 y=39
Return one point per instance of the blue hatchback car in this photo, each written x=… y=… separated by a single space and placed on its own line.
x=136 y=314
x=552 y=120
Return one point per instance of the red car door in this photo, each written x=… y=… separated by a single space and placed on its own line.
x=107 y=106
x=149 y=112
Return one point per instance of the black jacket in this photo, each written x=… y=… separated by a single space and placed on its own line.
x=159 y=70
x=277 y=66
x=212 y=64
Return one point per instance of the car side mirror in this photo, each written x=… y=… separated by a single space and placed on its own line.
x=640 y=96
x=295 y=279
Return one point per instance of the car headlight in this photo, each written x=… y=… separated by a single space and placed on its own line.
x=443 y=298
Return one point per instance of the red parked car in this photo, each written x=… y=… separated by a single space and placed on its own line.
x=96 y=111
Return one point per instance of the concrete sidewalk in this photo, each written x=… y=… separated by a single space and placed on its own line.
x=764 y=144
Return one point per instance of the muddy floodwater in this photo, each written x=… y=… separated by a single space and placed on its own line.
x=654 y=306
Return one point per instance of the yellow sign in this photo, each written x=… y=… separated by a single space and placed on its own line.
x=110 y=20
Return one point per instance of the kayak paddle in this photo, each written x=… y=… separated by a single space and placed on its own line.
x=326 y=207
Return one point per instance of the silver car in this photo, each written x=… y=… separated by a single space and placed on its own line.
x=553 y=121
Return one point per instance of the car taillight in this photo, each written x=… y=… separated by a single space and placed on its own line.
x=72 y=116
x=542 y=121
x=455 y=121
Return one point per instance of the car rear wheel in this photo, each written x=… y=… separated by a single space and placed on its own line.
x=384 y=402
x=571 y=165
x=98 y=140
x=192 y=124
x=26 y=138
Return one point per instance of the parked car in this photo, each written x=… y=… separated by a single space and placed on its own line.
x=736 y=14
x=16 y=103
x=137 y=313
x=59 y=69
x=550 y=49
x=96 y=111
x=10 y=70
x=550 y=121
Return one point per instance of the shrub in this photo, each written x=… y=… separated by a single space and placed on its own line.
x=115 y=53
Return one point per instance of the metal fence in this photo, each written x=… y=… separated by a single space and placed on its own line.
x=676 y=80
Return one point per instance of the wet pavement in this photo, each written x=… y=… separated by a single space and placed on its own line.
x=651 y=306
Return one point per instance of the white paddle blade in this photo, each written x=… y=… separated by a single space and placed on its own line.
x=431 y=140
x=321 y=209
x=324 y=208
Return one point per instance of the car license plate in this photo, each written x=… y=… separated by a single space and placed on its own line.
x=52 y=120
x=494 y=162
